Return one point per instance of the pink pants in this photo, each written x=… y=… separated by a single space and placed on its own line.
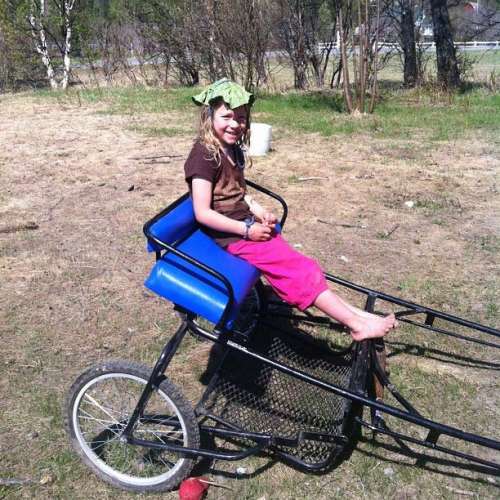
x=296 y=279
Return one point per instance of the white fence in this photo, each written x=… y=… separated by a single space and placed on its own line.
x=427 y=45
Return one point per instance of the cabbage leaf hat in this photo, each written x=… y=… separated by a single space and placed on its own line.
x=231 y=93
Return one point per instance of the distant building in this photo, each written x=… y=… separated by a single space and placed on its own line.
x=471 y=7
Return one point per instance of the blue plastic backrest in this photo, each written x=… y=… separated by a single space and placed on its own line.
x=178 y=223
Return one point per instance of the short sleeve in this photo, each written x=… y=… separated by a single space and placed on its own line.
x=199 y=164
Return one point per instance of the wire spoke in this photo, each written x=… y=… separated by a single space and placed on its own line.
x=101 y=407
x=157 y=433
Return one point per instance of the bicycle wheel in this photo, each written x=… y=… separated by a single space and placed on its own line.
x=249 y=314
x=97 y=409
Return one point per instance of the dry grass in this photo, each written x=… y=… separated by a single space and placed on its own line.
x=72 y=289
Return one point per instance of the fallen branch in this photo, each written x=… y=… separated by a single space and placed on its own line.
x=156 y=157
x=155 y=162
x=388 y=233
x=213 y=483
x=460 y=492
x=28 y=226
x=301 y=179
x=352 y=226
x=15 y=482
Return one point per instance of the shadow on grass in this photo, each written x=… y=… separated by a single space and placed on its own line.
x=399 y=348
x=424 y=461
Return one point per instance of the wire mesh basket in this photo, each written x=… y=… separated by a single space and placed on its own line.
x=254 y=396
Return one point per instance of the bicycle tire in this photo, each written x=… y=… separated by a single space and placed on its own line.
x=98 y=407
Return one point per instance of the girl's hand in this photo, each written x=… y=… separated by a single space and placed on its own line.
x=269 y=219
x=259 y=232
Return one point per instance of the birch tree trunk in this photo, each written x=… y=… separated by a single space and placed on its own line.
x=36 y=18
x=68 y=7
x=38 y=32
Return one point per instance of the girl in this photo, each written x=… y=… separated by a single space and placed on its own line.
x=214 y=172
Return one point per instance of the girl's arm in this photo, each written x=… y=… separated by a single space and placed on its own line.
x=202 y=198
x=264 y=216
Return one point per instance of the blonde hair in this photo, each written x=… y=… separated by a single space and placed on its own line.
x=207 y=137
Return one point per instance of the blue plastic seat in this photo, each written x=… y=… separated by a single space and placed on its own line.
x=185 y=284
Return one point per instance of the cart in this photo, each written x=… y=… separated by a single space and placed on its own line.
x=272 y=387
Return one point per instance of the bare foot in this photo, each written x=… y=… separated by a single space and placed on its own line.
x=361 y=312
x=364 y=327
x=369 y=315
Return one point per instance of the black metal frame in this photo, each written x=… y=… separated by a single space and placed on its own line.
x=368 y=364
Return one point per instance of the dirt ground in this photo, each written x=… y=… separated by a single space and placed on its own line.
x=418 y=220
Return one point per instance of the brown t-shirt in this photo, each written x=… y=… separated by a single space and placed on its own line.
x=228 y=186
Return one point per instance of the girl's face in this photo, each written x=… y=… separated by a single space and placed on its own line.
x=229 y=124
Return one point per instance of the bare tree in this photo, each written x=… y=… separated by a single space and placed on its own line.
x=343 y=16
x=410 y=70
x=236 y=38
x=359 y=27
x=321 y=38
x=251 y=27
x=175 y=32
x=292 y=30
x=402 y=16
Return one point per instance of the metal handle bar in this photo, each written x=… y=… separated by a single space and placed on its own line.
x=272 y=195
x=416 y=308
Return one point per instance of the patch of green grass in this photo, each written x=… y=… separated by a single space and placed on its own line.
x=492 y=310
x=489 y=243
x=158 y=131
x=439 y=118
x=436 y=118
x=48 y=406
x=424 y=290
x=312 y=112
x=127 y=100
x=439 y=222
x=426 y=113
x=61 y=464
x=382 y=235
x=431 y=206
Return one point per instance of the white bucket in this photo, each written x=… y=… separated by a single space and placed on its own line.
x=260 y=139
